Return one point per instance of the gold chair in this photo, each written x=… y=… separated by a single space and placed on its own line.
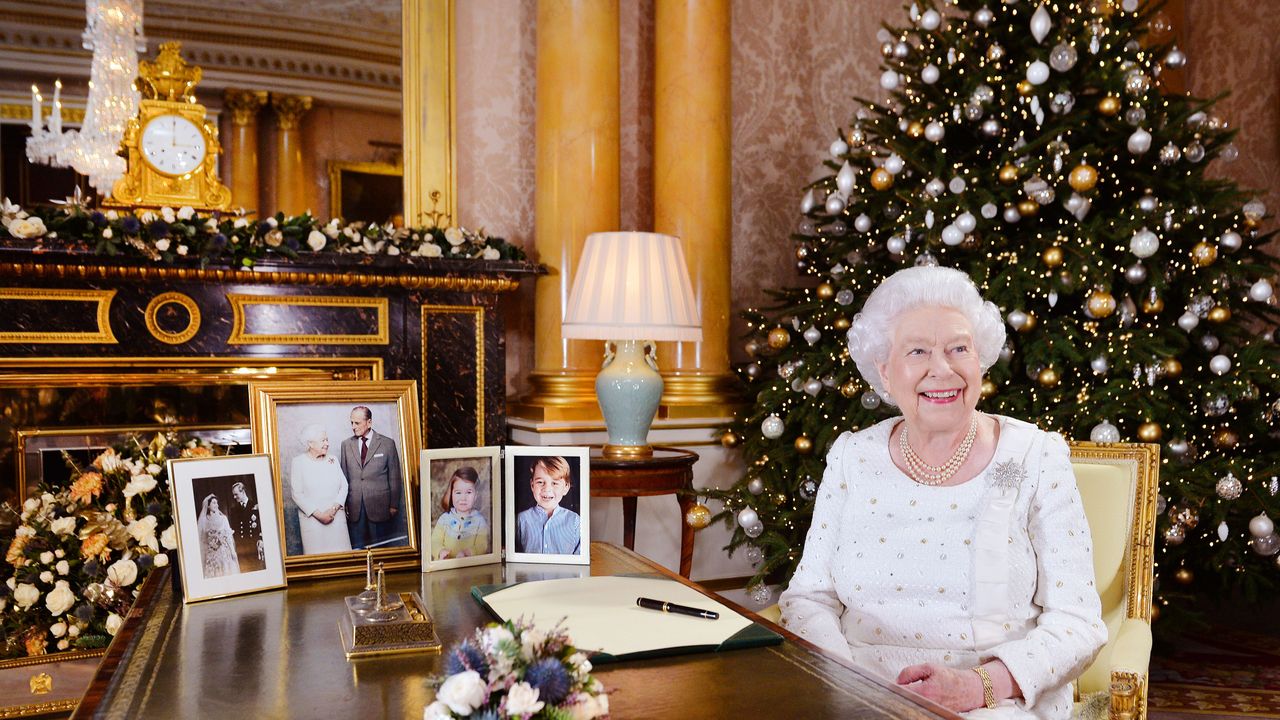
x=1118 y=487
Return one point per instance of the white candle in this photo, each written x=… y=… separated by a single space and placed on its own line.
x=56 y=120
x=35 y=109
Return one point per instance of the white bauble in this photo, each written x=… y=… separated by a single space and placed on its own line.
x=1220 y=364
x=812 y=335
x=1144 y=243
x=862 y=223
x=1139 y=142
x=1105 y=432
x=935 y=187
x=1230 y=240
x=1100 y=365
x=966 y=222
x=989 y=210
x=1017 y=319
x=755 y=486
x=834 y=203
x=983 y=17
x=956 y=186
x=1260 y=291
x=808 y=202
x=1041 y=24
x=934 y=131
x=1188 y=321
x=952 y=235
x=748 y=516
x=896 y=244
x=838 y=148
x=845 y=178
x=772 y=427
x=1011 y=214
x=893 y=164
x=1261 y=526
x=889 y=80
x=1037 y=73
x=929 y=74
x=930 y=20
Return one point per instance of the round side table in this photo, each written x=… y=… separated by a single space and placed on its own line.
x=668 y=471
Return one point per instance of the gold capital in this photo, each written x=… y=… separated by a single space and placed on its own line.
x=243 y=104
x=289 y=109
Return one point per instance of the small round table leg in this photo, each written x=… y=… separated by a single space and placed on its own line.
x=686 y=534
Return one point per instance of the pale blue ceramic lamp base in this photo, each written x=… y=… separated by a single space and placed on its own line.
x=629 y=388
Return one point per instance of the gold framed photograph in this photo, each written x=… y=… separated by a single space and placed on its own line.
x=346 y=455
x=461 y=507
x=548 y=490
x=226 y=515
x=368 y=191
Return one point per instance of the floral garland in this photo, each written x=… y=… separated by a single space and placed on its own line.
x=78 y=556
x=167 y=235
x=514 y=670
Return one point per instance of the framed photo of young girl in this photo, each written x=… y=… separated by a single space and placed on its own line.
x=547 y=493
x=461 y=507
x=229 y=542
x=346 y=454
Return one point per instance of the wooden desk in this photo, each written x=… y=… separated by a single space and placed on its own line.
x=667 y=472
x=277 y=654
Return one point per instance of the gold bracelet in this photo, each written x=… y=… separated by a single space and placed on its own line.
x=988 y=690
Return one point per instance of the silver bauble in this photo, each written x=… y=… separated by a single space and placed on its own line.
x=1061 y=103
x=973 y=112
x=966 y=222
x=862 y=223
x=893 y=164
x=1139 y=142
x=1144 y=243
x=929 y=74
x=755 y=530
x=846 y=178
x=984 y=93
x=956 y=185
x=983 y=17
x=1006 y=353
x=870 y=400
x=808 y=488
x=1037 y=73
x=834 y=204
x=1209 y=342
x=1063 y=57
x=901 y=50
x=1135 y=273
x=1261 y=526
x=1011 y=214
x=991 y=127
x=1220 y=364
x=1201 y=305
x=1105 y=432
x=1194 y=152
x=753 y=371
x=935 y=187
x=1267 y=545
x=926 y=259
x=1215 y=404
x=813 y=386
x=1175 y=535
x=1230 y=241
x=1229 y=153
x=808 y=202
x=1175 y=58
x=895 y=245
x=1261 y=291
x=989 y=210
x=1148 y=204
x=1228 y=488
x=844 y=297
x=1170 y=154
x=889 y=80
x=1178 y=447
x=930 y=20
x=748 y=516
x=1100 y=365
x=952 y=235
x=1136 y=82
x=1041 y=24
x=1135 y=116
x=812 y=335
x=1017 y=319
x=755 y=486
x=772 y=427
x=760 y=593
x=838 y=148
x=754 y=554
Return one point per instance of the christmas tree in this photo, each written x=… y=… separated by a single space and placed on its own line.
x=1032 y=146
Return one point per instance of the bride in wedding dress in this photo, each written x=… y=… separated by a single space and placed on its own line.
x=217 y=544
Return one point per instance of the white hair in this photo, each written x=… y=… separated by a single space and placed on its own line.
x=311 y=433
x=871 y=334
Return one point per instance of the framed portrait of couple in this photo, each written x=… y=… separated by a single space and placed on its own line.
x=537 y=495
x=345 y=457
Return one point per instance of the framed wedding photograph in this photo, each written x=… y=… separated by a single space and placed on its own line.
x=346 y=455
x=547 y=494
x=225 y=511
x=461 y=507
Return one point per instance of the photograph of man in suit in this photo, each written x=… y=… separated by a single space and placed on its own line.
x=246 y=527
x=371 y=463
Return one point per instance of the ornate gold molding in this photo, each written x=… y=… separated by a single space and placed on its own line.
x=289 y=109
x=102 y=298
x=427 y=41
x=164 y=336
x=478 y=312
x=450 y=283
x=244 y=105
x=20 y=111
x=240 y=302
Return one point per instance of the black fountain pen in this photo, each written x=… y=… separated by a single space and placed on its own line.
x=667 y=607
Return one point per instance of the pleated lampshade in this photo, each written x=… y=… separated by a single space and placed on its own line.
x=632 y=286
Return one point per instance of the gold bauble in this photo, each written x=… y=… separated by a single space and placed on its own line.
x=1100 y=303
x=915 y=129
x=1049 y=377
x=1028 y=208
x=841 y=323
x=1109 y=105
x=1219 y=314
x=804 y=445
x=730 y=439
x=1009 y=174
x=1052 y=256
x=1251 y=222
x=1204 y=253
x=1225 y=438
x=1149 y=432
x=1026 y=88
x=698 y=517
x=779 y=338
x=1029 y=324
x=825 y=291
x=849 y=389
x=1172 y=368
x=780 y=499
x=1083 y=178
x=1184 y=576
x=1152 y=305
x=881 y=179
x=988 y=388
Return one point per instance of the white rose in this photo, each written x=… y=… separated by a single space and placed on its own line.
x=10 y=583
x=430 y=250
x=522 y=699
x=437 y=711
x=123 y=572
x=63 y=644
x=59 y=553
x=495 y=636
x=167 y=213
x=273 y=222
x=186 y=212
x=27 y=228
x=139 y=484
x=109 y=461
x=332 y=229
x=73 y=631
x=211 y=225
x=182 y=250
x=240 y=222
x=58 y=629
x=462 y=692
x=392 y=250
x=46 y=557
x=144 y=531
x=162 y=244
x=273 y=238
x=46 y=577
x=62 y=567
x=107 y=233
x=316 y=240
x=160 y=559
x=147 y=217
x=25 y=595
x=113 y=215
x=60 y=599
x=63 y=526
x=25 y=530
x=114 y=622
x=589 y=706
x=31 y=505
x=169 y=538
x=490 y=254
x=154 y=469
x=454 y=236
x=455 y=251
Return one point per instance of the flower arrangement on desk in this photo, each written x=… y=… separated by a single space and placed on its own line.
x=168 y=235
x=514 y=670
x=79 y=553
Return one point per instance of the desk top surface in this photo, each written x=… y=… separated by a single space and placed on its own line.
x=278 y=654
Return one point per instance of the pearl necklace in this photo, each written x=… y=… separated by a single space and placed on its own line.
x=927 y=474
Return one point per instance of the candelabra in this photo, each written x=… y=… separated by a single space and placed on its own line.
x=114 y=35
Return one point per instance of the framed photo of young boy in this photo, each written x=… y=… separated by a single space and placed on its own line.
x=461 y=507
x=547 y=493
x=346 y=453
x=229 y=541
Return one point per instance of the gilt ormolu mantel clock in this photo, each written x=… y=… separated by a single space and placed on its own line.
x=171 y=147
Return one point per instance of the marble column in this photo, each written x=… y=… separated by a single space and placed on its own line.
x=576 y=191
x=242 y=145
x=692 y=126
x=290 y=180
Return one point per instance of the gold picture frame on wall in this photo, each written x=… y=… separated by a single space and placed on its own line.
x=368 y=191
x=339 y=496
x=428 y=110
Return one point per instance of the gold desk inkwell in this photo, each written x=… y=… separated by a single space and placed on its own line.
x=376 y=623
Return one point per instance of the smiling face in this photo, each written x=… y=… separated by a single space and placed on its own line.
x=933 y=371
x=548 y=491
x=360 y=424
x=463 y=496
x=318 y=447
x=239 y=494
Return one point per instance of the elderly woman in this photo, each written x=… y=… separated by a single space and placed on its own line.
x=319 y=489
x=949 y=548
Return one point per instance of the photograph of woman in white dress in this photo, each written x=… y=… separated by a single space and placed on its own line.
x=319 y=489
x=217 y=544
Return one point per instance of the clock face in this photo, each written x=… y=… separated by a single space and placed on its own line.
x=173 y=144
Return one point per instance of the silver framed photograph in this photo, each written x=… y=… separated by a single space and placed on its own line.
x=546 y=509
x=461 y=507
x=229 y=540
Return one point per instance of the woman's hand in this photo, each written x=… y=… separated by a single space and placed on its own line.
x=325 y=517
x=959 y=690
x=444 y=555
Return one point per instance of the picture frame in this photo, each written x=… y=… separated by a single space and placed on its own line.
x=226 y=516
x=368 y=191
x=522 y=469
x=451 y=538
x=373 y=500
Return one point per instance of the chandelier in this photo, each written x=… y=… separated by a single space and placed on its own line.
x=114 y=35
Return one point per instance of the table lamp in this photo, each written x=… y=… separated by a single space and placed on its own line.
x=631 y=289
